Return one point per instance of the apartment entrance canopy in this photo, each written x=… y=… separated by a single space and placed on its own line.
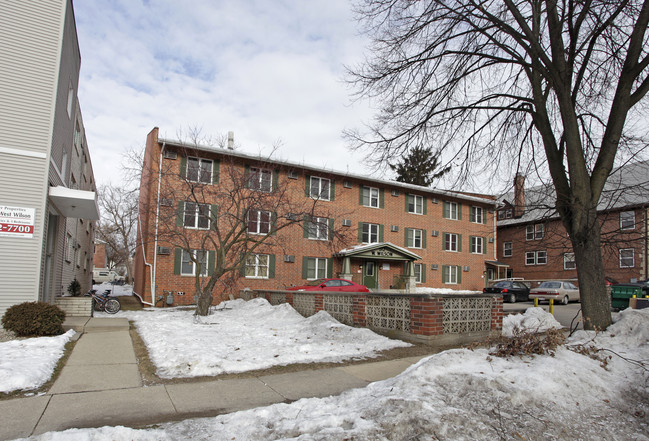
x=73 y=203
x=379 y=251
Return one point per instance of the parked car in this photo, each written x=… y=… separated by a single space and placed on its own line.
x=331 y=285
x=512 y=291
x=556 y=290
x=610 y=281
x=101 y=275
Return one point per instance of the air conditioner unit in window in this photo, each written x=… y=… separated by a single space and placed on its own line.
x=166 y=202
x=291 y=216
x=434 y=201
x=394 y=228
x=292 y=174
x=347 y=184
x=395 y=192
x=491 y=240
x=466 y=268
x=288 y=258
x=170 y=154
x=434 y=267
x=164 y=251
x=435 y=233
x=347 y=223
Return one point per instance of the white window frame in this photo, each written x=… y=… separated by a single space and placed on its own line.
x=322 y=189
x=197 y=215
x=417 y=239
x=451 y=242
x=415 y=204
x=69 y=248
x=319 y=268
x=318 y=228
x=418 y=268
x=477 y=245
x=186 y=260
x=629 y=223
x=452 y=210
x=371 y=197
x=260 y=264
x=368 y=233
x=530 y=258
x=541 y=257
x=535 y=232
x=569 y=262
x=451 y=275
x=202 y=171
x=261 y=179
x=508 y=249
x=256 y=220
x=622 y=258
x=477 y=213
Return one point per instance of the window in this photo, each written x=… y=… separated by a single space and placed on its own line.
x=450 y=274
x=418 y=273
x=199 y=170
x=415 y=204
x=451 y=242
x=257 y=266
x=536 y=257
x=627 y=258
x=414 y=238
x=530 y=258
x=370 y=197
x=477 y=215
x=451 y=210
x=259 y=221
x=70 y=100
x=369 y=233
x=477 y=245
x=318 y=228
x=197 y=215
x=508 y=249
x=189 y=260
x=315 y=268
x=535 y=232
x=569 y=261
x=261 y=179
x=319 y=188
x=627 y=220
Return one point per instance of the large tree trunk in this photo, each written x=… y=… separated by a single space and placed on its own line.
x=203 y=302
x=595 y=301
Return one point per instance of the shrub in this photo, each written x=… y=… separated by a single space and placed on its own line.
x=74 y=288
x=34 y=319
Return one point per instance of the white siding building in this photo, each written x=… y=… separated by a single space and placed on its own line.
x=47 y=191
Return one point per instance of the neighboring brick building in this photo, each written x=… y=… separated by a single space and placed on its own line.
x=99 y=256
x=383 y=234
x=534 y=244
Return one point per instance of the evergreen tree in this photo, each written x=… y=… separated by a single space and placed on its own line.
x=419 y=167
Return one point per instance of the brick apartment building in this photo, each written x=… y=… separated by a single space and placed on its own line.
x=379 y=233
x=535 y=246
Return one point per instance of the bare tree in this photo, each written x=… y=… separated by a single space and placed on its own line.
x=506 y=80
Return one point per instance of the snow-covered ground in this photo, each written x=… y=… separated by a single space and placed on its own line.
x=242 y=336
x=27 y=364
x=457 y=394
x=115 y=290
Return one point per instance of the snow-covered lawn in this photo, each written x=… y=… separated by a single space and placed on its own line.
x=27 y=364
x=242 y=336
x=457 y=395
x=115 y=290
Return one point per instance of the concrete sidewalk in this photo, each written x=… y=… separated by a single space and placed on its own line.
x=101 y=385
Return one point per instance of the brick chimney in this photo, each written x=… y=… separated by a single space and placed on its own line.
x=519 y=195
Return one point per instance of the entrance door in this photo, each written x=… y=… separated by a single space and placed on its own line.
x=370 y=275
x=50 y=247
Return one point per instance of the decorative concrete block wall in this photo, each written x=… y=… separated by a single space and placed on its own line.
x=75 y=306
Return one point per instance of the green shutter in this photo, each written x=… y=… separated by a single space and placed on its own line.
x=246 y=176
x=216 y=171
x=408 y=237
x=242 y=269
x=471 y=214
x=484 y=245
x=360 y=232
x=425 y=205
x=459 y=242
x=360 y=194
x=183 y=166
x=444 y=273
x=423 y=273
x=305 y=269
x=178 y=255
x=273 y=223
x=307 y=185
x=307 y=223
x=275 y=179
x=444 y=236
x=331 y=228
x=423 y=241
x=332 y=190
x=459 y=274
x=484 y=216
x=381 y=198
x=407 y=198
x=445 y=210
x=214 y=215
x=180 y=219
x=271 y=266
x=459 y=211
x=471 y=247
x=330 y=268
x=381 y=233
x=211 y=263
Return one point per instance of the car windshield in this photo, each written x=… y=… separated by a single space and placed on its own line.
x=501 y=285
x=551 y=285
x=315 y=282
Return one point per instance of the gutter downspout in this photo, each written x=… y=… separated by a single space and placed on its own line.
x=139 y=220
x=157 y=223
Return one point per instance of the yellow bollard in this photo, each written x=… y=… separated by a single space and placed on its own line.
x=552 y=306
x=536 y=302
x=633 y=296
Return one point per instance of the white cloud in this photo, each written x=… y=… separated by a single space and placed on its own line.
x=266 y=70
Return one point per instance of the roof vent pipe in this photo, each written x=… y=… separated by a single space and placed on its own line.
x=230 y=140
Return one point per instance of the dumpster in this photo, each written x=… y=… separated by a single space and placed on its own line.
x=620 y=295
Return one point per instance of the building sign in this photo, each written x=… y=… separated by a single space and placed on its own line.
x=383 y=252
x=17 y=221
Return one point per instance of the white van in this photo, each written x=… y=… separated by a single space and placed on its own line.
x=101 y=275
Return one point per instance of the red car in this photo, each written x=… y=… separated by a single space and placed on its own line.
x=331 y=285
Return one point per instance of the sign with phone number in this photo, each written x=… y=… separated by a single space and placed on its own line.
x=17 y=221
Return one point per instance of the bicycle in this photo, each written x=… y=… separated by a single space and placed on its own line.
x=102 y=302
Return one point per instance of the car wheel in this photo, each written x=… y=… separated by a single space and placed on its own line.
x=512 y=298
x=565 y=300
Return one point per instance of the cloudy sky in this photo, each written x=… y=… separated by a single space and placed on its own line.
x=271 y=71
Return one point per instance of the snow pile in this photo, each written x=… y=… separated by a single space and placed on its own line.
x=115 y=290
x=28 y=364
x=242 y=336
x=455 y=395
x=424 y=290
x=533 y=320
